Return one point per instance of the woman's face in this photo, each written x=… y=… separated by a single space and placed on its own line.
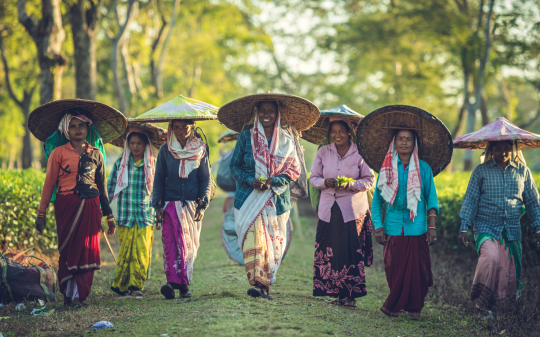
x=136 y=145
x=404 y=142
x=78 y=130
x=502 y=152
x=339 y=134
x=182 y=130
x=267 y=114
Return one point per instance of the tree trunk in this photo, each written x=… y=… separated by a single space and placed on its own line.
x=48 y=35
x=128 y=69
x=471 y=122
x=484 y=108
x=117 y=80
x=84 y=16
x=117 y=41
x=158 y=69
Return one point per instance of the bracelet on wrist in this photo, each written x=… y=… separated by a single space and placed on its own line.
x=464 y=231
x=435 y=215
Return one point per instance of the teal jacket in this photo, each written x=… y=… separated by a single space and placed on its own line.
x=397 y=216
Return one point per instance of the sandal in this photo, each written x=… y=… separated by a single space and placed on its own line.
x=167 y=291
x=78 y=304
x=254 y=292
x=337 y=301
x=187 y=294
x=265 y=294
x=67 y=302
x=349 y=302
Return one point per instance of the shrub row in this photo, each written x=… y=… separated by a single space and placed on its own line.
x=20 y=192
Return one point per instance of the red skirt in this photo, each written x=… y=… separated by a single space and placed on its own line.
x=78 y=224
x=407 y=264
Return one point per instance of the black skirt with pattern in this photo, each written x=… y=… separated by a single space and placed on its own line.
x=342 y=250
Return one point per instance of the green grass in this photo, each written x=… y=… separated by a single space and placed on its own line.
x=220 y=305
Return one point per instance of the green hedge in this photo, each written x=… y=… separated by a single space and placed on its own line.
x=451 y=188
x=20 y=192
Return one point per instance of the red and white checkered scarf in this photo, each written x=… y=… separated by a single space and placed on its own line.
x=389 y=179
x=278 y=158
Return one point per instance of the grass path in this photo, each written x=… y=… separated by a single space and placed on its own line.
x=220 y=306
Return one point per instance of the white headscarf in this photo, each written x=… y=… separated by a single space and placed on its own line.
x=63 y=127
x=149 y=168
x=190 y=156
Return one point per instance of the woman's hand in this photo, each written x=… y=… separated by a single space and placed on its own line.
x=344 y=186
x=432 y=236
x=267 y=184
x=464 y=238
x=40 y=223
x=257 y=184
x=380 y=237
x=112 y=227
x=199 y=214
x=330 y=182
x=159 y=216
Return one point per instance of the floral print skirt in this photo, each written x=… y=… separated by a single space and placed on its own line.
x=342 y=250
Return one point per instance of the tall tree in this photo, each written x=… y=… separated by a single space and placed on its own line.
x=469 y=58
x=156 y=68
x=48 y=34
x=23 y=103
x=84 y=16
x=117 y=40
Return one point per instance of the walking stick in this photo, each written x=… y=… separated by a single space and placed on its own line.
x=109 y=244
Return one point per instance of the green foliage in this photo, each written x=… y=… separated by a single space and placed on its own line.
x=20 y=192
x=451 y=188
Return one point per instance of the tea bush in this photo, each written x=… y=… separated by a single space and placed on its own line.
x=451 y=188
x=20 y=192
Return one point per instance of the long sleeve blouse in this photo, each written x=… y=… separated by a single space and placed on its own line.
x=494 y=199
x=396 y=218
x=352 y=201
x=243 y=171
x=134 y=202
x=75 y=174
x=168 y=186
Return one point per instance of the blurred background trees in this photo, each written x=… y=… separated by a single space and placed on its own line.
x=466 y=61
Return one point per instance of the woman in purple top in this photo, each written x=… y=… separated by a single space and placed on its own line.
x=343 y=243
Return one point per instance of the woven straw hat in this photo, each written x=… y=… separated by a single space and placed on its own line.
x=376 y=131
x=298 y=111
x=44 y=120
x=317 y=132
x=156 y=135
x=180 y=107
x=500 y=129
x=228 y=136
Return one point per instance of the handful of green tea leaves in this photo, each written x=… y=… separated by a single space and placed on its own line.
x=262 y=179
x=343 y=180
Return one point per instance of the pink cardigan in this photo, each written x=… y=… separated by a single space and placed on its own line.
x=353 y=201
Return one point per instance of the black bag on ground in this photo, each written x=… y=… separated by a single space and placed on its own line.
x=22 y=280
x=224 y=178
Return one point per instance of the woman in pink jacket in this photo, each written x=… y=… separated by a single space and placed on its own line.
x=343 y=243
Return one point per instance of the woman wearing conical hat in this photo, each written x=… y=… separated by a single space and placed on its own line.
x=343 y=245
x=407 y=146
x=182 y=187
x=131 y=183
x=497 y=190
x=265 y=161
x=75 y=178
